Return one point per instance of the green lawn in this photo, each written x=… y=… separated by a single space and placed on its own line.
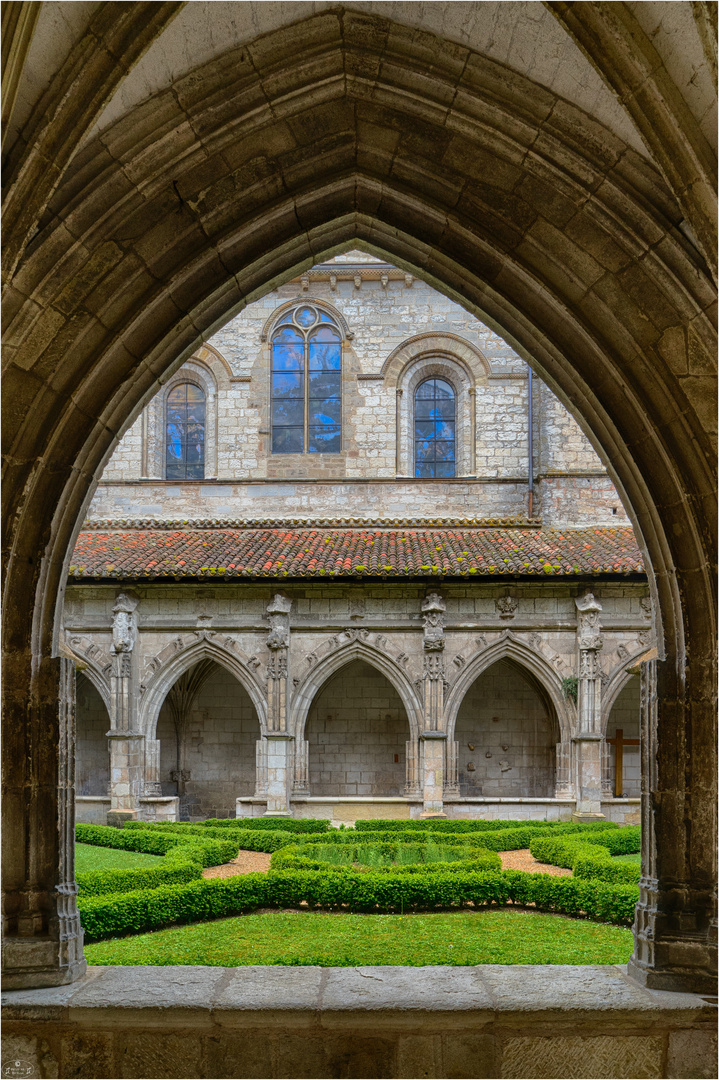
x=636 y=859
x=89 y=857
x=342 y=940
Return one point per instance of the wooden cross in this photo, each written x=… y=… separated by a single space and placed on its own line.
x=619 y=742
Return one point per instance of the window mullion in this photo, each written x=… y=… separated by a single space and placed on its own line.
x=306 y=444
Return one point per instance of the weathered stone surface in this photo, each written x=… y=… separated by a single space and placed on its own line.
x=264 y=989
x=691 y=1054
x=388 y=989
x=359 y=1022
x=591 y=1056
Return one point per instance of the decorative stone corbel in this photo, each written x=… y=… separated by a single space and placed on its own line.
x=507 y=606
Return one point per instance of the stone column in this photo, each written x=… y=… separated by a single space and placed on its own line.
x=127 y=751
x=588 y=738
x=451 y=769
x=563 y=786
x=433 y=609
x=433 y=762
x=261 y=768
x=279 y=740
x=301 y=784
x=279 y=771
x=675 y=921
x=42 y=936
x=152 y=787
x=412 y=785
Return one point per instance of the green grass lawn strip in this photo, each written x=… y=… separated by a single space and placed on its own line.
x=635 y=859
x=345 y=940
x=88 y=857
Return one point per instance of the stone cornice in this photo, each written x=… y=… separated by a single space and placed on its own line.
x=103 y=524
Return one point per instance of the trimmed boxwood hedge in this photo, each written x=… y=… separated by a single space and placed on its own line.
x=590 y=857
x=247 y=839
x=441 y=825
x=294 y=825
x=406 y=888
x=444 y=826
x=601 y=868
x=371 y=892
x=317 y=857
x=184 y=858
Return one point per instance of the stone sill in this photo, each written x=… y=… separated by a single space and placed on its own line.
x=411 y=799
x=349 y=799
x=471 y=1022
x=229 y=481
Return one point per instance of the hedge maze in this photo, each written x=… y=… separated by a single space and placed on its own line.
x=377 y=866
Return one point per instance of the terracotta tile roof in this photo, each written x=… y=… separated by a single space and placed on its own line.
x=358 y=553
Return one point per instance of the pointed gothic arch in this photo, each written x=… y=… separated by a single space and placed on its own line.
x=617 y=682
x=170 y=670
x=510 y=647
x=627 y=346
x=333 y=662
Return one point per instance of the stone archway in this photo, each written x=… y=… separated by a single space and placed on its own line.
x=514 y=732
x=357 y=732
x=569 y=245
x=208 y=744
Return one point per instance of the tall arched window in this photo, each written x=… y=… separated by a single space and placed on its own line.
x=434 y=428
x=185 y=433
x=306 y=383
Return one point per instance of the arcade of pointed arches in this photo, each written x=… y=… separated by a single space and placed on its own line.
x=356 y=719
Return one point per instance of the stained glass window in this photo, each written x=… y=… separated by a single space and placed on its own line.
x=185 y=433
x=434 y=429
x=306 y=384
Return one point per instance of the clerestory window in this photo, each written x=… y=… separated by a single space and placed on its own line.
x=306 y=383
x=434 y=428
x=185 y=433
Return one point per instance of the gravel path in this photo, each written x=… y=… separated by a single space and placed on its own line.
x=524 y=860
x=247 y=862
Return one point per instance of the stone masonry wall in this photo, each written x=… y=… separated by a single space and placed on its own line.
x=380 y=319
x=220 y=750
x=356 y=728
x=92 y=771
x=503 y=710
x=625 y=715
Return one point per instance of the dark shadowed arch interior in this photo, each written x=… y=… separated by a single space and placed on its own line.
x=92 y=754
x=357 y=730
x=510 y=200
